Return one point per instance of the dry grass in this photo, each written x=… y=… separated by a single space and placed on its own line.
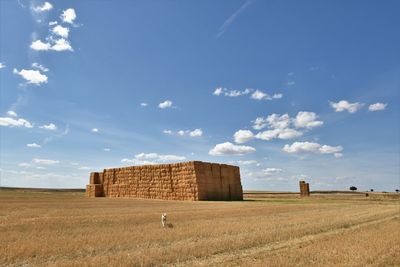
x=66 y=229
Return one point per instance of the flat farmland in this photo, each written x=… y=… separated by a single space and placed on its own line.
x=66 y=229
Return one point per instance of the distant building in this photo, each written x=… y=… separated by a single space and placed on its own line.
x=194 y=180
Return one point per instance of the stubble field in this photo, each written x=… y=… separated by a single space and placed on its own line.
x=66 y=229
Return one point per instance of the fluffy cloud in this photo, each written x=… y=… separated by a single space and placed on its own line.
x=377 y=107
x=276 y=121
x=152 y=158
x=95 y=130
x=343 y=105
x=307 y=120
x=281 y=133
x=260 y=95
x=310 y=147
x=62 y=45
x=196 y=133
x=12 y=113
x=228 y=148
x=242 y=136
x=45 y=161
x=68 y=15
x=169 y=132
x=45 y=7
x=11 y=122
x=52 y=23
x=32 y=76
x=277 y=96
x=40 y=67
x=271 y=171
x=50 y=126
x=231 y=93
x=165 y=104
x=38 y=45
x=2 y=65
x=143 y=104
x=33 y=145
x=61 y=31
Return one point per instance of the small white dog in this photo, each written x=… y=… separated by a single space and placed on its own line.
x=164 y=219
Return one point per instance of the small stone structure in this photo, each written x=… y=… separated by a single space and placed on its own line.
x=304 y=189
x=194 y=180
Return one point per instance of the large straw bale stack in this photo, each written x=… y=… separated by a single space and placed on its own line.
x=193 y=180
x=304 y=189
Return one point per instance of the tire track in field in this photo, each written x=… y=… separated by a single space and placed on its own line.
x=221 y=258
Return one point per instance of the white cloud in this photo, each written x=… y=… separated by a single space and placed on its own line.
x=260 y=95
x=62 y=45
x=45 y=7
x=310 y=147
x=377 y=107
x=45 y=161
x=24 y=164
x=284 y=133
x=38 y=45
x=343 y=105
x=32 y=76
x=50 y=126
x=181 y=132
x=169 y=132
x=277 y=96
x=52 y=23
x=248 y=162
x=143 y=104
x=338 y=155
x=12 y=113
x=95 y=130
x=271 y=171
x=242 y=136
x=231 y=93
x=165 y=104
x=85 y=168
x=260 y=123
x=307 y=120
x=152 y=158
x=68 y=15
x=277 y=121
x=61 y=31
x=228 y=148
x=106 y=149
x=2 y=65
x=11 y=122
x=33 y=145
x=196 y=133
x=40 y=67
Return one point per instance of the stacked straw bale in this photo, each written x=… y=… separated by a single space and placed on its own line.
x=193 y=180
x=304 y=189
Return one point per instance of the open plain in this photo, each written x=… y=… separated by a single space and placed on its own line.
x=67 y=229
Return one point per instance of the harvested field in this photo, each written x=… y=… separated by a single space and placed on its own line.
x=67 y=229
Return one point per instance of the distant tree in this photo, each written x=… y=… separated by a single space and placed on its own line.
x=372 y=190
x=353 y=188
x=397 y=190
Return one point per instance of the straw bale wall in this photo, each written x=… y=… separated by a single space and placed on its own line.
x=304 y=189
x=193 y=180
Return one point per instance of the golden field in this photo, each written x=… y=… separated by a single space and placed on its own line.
x=66 y=229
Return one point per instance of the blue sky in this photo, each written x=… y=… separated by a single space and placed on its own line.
x=287 y=90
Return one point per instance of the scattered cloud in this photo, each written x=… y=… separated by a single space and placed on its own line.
x=52 y=23
x=377 y=107
x=38 y=45
x=343 y=105
x=260 y=95
x=231 y=93
x=307 y=120
x=95 y=130
x=310 y=147
x=228 y=148
x=232 y=18
x=32 y=76
x=33 y=145
x=2 y=65
x=45 y=161
x=277 y=96
x=40 y=67
x=242 y=136
x=271 y=171
x=50 y=127
x=68 y=15
x=62 y=45
x=144 y=104
x=169 y=132
x=12 y=113
x=248 y=162
x=281 y=133
x=165 y=104
x=61 y=31
x=11 y=122
x=107 y=149
x=24 y=164
x=181 y=132
x=85 y=168
x=45 y=7
x=290 y=83
x=152 y=158
x=196 y=133
x=338 y=155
